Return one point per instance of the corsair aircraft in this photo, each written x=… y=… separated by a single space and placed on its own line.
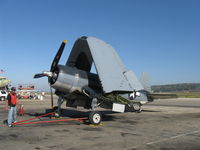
x=113 y=86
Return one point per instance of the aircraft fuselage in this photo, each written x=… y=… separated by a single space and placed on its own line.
x=74 y=85
x=71 y=79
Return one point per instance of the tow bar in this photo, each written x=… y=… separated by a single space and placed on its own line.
x=48 y=121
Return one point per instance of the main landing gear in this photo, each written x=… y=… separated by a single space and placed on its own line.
x=95 y=117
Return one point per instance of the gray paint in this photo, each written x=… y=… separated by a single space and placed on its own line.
x=111 y=71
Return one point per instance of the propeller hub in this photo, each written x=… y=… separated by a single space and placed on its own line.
x=48 y=74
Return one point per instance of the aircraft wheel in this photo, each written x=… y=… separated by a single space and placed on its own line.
x=95 y=117
x=137 y=108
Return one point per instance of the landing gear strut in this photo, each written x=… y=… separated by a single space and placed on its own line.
x=95 y=117
x=57 y=111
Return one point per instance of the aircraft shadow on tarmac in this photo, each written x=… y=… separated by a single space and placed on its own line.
x=151 y=111
x=70 y=113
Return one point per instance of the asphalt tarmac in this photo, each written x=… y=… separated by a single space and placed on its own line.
x=172 y=124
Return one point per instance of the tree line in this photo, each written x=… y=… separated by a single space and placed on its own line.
x=181 y=87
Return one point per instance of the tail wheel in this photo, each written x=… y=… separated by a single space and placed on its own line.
x=137 y=107
x=95 y=117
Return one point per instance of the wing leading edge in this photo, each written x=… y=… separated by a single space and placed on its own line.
x=111 y=71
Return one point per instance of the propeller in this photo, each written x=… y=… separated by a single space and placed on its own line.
x=52 y=74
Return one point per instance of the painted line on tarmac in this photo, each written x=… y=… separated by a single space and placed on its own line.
x=173 y=137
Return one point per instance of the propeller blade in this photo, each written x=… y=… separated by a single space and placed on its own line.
x=39 y=75
x=57 y=57
x=43 y=74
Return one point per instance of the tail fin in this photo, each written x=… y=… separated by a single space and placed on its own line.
x=145 y=81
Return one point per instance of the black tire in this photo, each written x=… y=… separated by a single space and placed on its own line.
x=137 y=107
x=95 y=117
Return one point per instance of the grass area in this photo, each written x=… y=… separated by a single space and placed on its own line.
x=188 y=95
x=176 y=95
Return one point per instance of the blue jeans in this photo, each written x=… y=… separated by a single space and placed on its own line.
x=12 y=114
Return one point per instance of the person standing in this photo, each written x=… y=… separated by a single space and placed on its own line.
x=11 y=105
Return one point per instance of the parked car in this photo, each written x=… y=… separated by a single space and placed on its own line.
x=3 y=95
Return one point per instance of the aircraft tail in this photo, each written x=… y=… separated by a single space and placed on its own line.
x=145 y=81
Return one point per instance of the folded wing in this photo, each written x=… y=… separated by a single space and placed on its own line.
x=112 y=73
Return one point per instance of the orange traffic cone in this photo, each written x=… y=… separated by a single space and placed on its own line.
x=21 y=110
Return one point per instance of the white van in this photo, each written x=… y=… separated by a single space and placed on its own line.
x=3 y=95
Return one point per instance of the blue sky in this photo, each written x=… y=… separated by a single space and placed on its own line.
x=158 y=36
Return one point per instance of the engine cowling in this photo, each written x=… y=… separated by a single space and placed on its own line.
x=67 y=79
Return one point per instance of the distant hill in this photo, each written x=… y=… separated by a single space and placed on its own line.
x=182 y=87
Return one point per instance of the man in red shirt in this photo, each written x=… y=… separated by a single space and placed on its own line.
x=11 y=103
